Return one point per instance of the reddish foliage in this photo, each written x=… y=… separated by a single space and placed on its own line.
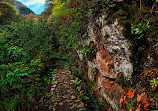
x=151 y=99
x=138 y=109
x=105 y=85
x=144 y=96
x=145 y=103
x=138 y=97
x=121 y=100
x=150 y=72
x=132 y=95
x=94 y=60
x=141 y=99
x=129 y=92
x=130 y=109
x=122 y=90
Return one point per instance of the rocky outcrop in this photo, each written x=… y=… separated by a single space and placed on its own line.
x=108 y=58
x=112 y=58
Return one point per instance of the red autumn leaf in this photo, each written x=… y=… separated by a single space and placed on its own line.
x=144 y=96
x=122 y=90
x=105 y=85
x=132 y=95
x=138 y=97
x=134 y=90
x=138 y=109
x=130 y=109
x=94 y=60
x=145 y=103
x=129 y=92
x=151 y=99
x=141 y=73
x=124 y=97
x=121 y=100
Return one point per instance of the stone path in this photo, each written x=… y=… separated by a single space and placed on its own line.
x=64 y=97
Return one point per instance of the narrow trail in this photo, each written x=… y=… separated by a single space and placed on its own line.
x=64 y=96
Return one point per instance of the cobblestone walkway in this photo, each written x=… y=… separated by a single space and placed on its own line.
x=64 y=97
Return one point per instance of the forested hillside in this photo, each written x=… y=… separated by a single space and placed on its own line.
x=22 y=8
x=107 y=50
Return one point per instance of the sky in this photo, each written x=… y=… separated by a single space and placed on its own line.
x=37 y=6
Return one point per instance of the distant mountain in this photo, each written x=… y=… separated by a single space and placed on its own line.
x=22 y=8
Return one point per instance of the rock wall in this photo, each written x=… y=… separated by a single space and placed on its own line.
x=107 y=55
x=111 y=58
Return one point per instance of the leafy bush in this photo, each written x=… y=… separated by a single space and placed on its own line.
x=139 y=29
x=25 y=48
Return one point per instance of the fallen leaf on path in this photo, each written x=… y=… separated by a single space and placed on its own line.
x=81 y=105
x=60 y=104
x=82 y=109
x=77 y=101
x=73 y=97
x=72 y=107
x=66 y=96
